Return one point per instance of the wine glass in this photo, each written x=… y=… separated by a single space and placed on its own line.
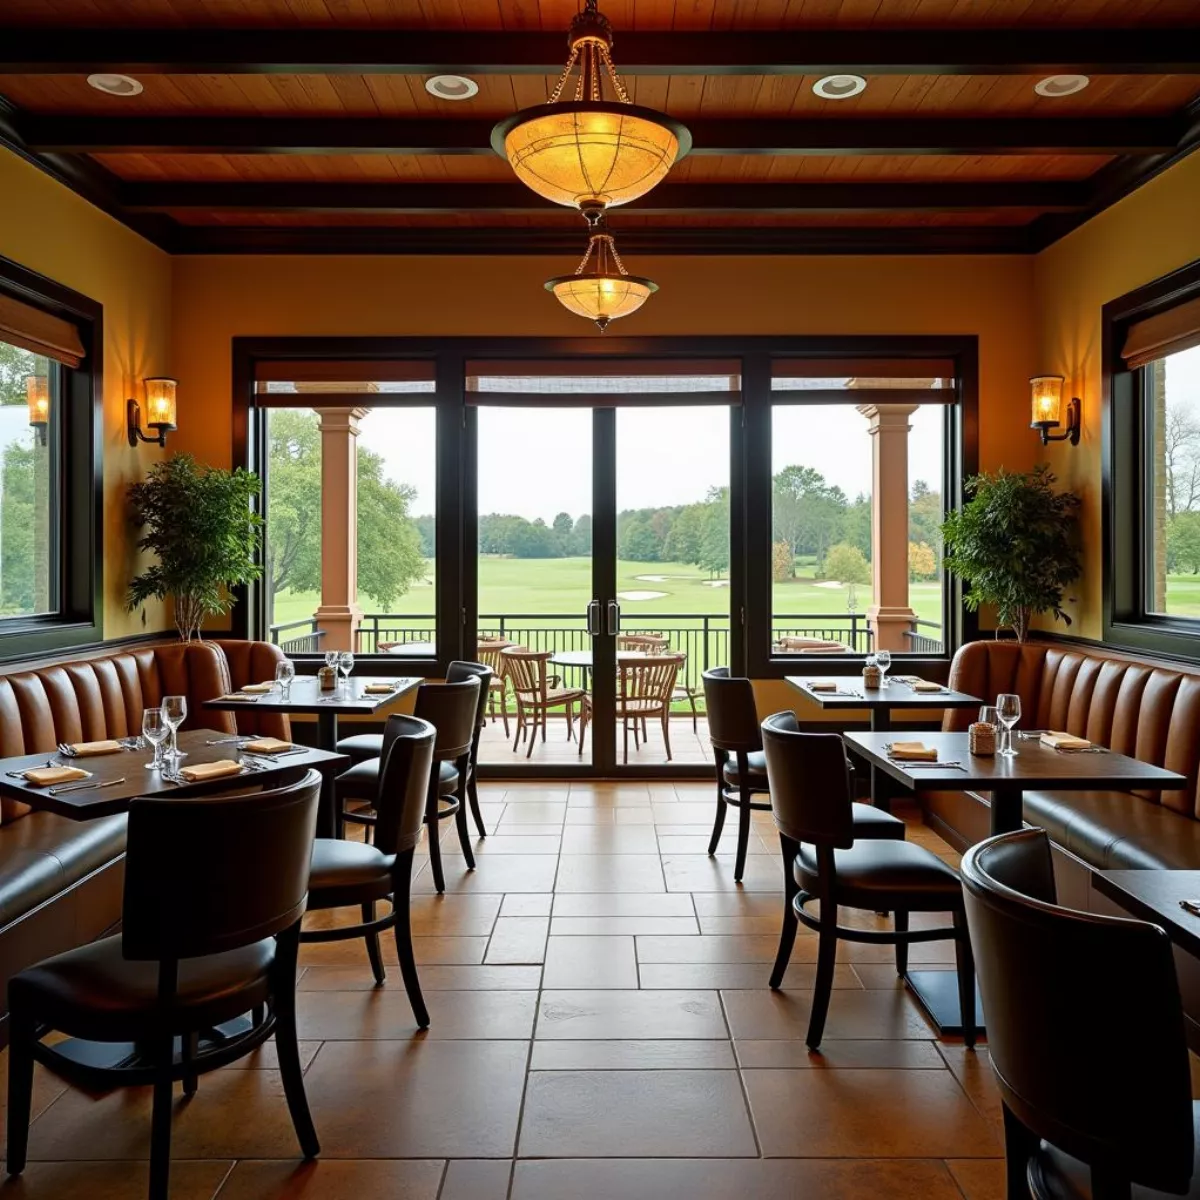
x=174 y=712
x=989 y=716
x=1008 y=709
x=883 y=660
x=156 y=731
x=285 y=672
x=345 y=664
x=331 y=659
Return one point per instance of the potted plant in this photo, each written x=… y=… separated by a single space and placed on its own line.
x=1015 y=544
x=199 y=523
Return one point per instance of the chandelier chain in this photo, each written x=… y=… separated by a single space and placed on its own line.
x=556 y=95
x=618 y=85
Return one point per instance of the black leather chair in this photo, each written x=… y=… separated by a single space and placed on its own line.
x=824 y=860
x=736 y=739
x=215 y=888
x=1086 y=1033
x=345 y=873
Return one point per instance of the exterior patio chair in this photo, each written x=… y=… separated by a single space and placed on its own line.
x=535 y=696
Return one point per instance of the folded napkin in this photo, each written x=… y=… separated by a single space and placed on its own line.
x=266 y=745
x=237 y=696
x=85 y=749
x=912 y=752
x=44 y=776
x=924 y=685
x=211 y=770
x=1064 y=741
x=256 y=688
x=907 y=679
x=375 y=689
x=822 y=685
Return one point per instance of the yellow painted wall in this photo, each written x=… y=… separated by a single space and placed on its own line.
x=1150 y=233
x=48 y=229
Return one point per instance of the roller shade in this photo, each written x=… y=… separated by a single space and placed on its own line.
x=589 y=383
x=1165 y=333
x=332 y=372
x=866 y=367
x=40 y=332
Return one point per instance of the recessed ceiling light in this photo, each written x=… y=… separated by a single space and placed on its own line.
x=115 y=85
x=839 y=87
x=451 y=87
x=1054 y=86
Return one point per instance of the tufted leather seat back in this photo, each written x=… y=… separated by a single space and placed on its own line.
x=1149 y=712
x=103 y=697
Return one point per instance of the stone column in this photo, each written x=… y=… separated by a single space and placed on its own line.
x=339 y=614
x=890 y=615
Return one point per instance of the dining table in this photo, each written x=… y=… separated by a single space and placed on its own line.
x=1035 y=766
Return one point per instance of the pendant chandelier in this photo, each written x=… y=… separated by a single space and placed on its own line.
x=589 y=152
x=601 y=289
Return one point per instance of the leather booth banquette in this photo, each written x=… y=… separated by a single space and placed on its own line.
x=61 y=880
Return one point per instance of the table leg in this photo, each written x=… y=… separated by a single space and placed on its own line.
x=327 y=735
x=881 y=796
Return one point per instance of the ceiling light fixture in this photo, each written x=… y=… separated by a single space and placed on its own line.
x=451 y=87
x=115 y=85
x=588 y=152
x=601 y=289
x=1054 y=86
x=839 y=87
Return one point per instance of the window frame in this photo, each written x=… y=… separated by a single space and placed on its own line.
x=1126 y=482
x=77 y=556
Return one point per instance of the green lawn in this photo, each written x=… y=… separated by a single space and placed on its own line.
x=1183 y=595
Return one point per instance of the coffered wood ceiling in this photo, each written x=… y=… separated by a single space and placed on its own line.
x=292 y=125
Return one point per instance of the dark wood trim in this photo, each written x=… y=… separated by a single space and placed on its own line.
x=62 y=50
x=710 y=136
x=864 y=396
x=698 y=198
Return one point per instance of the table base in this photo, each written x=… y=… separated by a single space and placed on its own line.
x=129 y=1056
x=937 y=994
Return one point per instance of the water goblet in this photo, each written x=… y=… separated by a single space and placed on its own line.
x=345 y=664
x=1008 y=708
x=156 y=731
x=285 y=672
x=174 y=713
x=883 y=660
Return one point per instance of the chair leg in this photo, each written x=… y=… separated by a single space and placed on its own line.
x=719 y=819
x=402 y=886
x=901 y=947
x=966 y=977
x=666 y=732
x=504 y=711
x=583 y=720
x=787 y=935
x=433 y=831
x=372 y=940
x=739 y=867
x=22 y=1034
x=520 y=723
x=287 y=1046
x=1019 y=1146
x=473 y=798
x=464 y=831
x=545 y=714
x=339 y=818
x=625 y=728
x=532 y=732
x=160 y=1123
x=823 y=987
x=695 y=719
x=190 y=1049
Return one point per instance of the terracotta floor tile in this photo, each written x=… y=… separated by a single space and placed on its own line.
x=516 y=843
x=973 y=1070
x=901 y=1055
x=516 y=793
x=737 y=904
x=882 y=976
x=610 y=839
x=527 y=904
x=476 y=1179
x=600 y=926
x=385 y=1015
x=590 y=962
x=533 y=812
x=609 y=873
x=768 y=1015
x=699 y=873
x=448 y=949
x=708 y=949
x=265 y=1057
x=596 y=816
x=352 y=952
x=766 y=925
x=658 y=1055
x=865 y=1113
x=113 y=1181
x=454 y=916
x=979 y=1178
x=503 y=873
x=418 y=1099
x=722 y=976
x=434 y=978
x=518 y=940
x=597 y=1179
x=622 y=904
x=329 y=1179
x=630 y=816
x=577 y=1015
x=689 y=812
x=665 y=1113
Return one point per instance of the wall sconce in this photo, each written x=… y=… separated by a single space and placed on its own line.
x=160 y=411
x=1047 y=410
x=37 y=393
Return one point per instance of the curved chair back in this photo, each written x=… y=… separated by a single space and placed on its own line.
x=205 y=874
x=527 y=671
x=732 y=719
x=1056 y=984
x=651 y=678
x=407 y=760
x=456 y=673
x=450 y=708
x=809 y=781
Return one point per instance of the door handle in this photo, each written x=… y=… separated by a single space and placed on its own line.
x=593 y=618
x=614 y=618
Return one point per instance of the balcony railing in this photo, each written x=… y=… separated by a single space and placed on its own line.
x=291 y=642
x=924 y=643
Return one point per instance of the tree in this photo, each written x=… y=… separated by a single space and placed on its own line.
x=847 y=564
x=1181 y=450
x=783 y=563
x=1183 y=543
x=638 y=543
x=806 y=511
x=683 y=542
x=389 y=544
x=563 y=526
x=922 y=562
x=714 y=533
x=925 y=516
x=427 y=530
x=856 y=524
x=581 y=535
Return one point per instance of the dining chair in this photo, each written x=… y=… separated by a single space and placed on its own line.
x=528 y=671
x=489 y=653
x=207 y=936
x=1057 y=984
x=357 y=873
x=736 y=738
x=824 y=860
x=645 y=687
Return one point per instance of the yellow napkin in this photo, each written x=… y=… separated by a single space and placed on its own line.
x=924 y=685
x=1064 y=741
x=822 y=685
x=256 y=688
x=238 y=696
x=267 y=745
x=211 y=770
x=86 y=749
x=44 y=776
x=376 y=689
x=912 y=752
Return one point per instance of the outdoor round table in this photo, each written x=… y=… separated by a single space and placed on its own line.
x=414 y=649
x=582 y=659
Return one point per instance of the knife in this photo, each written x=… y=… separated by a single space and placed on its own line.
x=83 y=787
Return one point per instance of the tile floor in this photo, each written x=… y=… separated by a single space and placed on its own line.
x=602 y=1029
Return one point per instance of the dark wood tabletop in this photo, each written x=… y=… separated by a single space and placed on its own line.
x=1155 y=896
x=130 y=766
x=894 y=695
x=305 y=696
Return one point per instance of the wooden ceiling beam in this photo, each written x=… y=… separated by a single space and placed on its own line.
x=668 y=198
x=773 y=136
x=60 y=50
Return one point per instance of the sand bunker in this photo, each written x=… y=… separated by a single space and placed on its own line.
x=640 y=595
